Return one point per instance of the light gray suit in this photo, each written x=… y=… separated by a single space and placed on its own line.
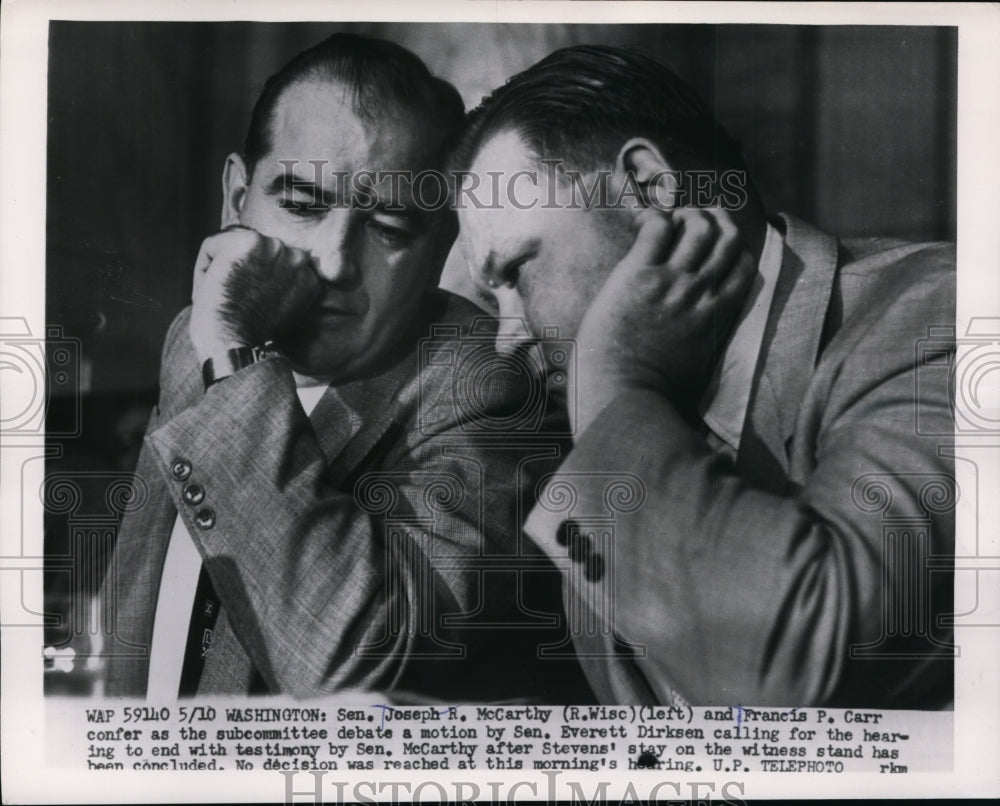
x=803 y=573
x=362 y=547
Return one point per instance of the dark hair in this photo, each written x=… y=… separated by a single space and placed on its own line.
x=377 y=73
x=581 y=103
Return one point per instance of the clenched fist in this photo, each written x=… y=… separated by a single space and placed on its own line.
x=248 y=289
x=661 y=319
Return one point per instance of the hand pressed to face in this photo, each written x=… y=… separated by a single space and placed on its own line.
x=662 y=317
x=247 y=289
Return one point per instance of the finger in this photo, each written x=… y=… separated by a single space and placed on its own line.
x=201 y=264
x=271 y=248
x=206 y=255
x=722 y=258
x=224 y=246
x=234 y=240
x=297 y=259
x=204 y=259
x=694 y=240
x=305 y=280
x=653 y=238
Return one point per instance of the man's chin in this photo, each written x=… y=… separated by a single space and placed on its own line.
x=341 y=357
x=340 y=363
x=333 y=365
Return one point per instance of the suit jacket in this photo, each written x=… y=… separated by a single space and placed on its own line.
x=813 y=569
x=373 y=545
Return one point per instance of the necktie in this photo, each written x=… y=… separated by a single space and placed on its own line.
x=204 y=613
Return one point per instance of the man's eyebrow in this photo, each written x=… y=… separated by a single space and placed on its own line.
x=413 y=214
x=494 y=265
x=485 y=295
x=284 y=182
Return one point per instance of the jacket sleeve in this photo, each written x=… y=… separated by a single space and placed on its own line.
x=328 y=587
x=740 y=595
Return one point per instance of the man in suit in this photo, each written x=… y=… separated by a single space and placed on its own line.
x=328 y=506
x=749 y=514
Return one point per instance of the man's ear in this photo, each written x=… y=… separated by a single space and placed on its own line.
x=642 y=171
x=234 y=189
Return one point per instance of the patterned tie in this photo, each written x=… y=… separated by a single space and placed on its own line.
x=204 y=614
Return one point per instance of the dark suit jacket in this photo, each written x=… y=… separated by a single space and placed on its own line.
x=368 y=555
x=804 y=573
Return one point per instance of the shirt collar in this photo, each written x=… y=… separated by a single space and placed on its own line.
x=724 y=406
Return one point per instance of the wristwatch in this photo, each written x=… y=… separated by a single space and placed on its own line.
x=218 y=367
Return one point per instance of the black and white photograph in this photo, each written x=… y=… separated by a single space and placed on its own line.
x=597 y=399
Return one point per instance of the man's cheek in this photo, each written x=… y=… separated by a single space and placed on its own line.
x=421 y=265
x=534 y=304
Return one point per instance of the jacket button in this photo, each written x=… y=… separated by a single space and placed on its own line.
x=205 y=518
x=181 y=469
x=194 y=494
x=593 y=569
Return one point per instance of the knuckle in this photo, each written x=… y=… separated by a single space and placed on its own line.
x=653 y=217
x=728 y=231
x=657 y=222
x=699 y=227
x=731 y=292
x=267 y=245
x=725 y=291
x=696 y=300
x=243 y=241
x=653 y=232
x=241 y=236
x=299 y=257
x=683 y=294
x=646 y=217
x=661 y=280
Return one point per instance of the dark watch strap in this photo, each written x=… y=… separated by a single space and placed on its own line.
x=216 y=368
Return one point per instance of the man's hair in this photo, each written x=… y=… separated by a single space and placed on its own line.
x=379 y=75
x=580 y=104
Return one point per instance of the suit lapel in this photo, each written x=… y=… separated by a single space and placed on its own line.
x=789 y=350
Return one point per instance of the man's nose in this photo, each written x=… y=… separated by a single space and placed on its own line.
x=331 y=249
x=513 y=332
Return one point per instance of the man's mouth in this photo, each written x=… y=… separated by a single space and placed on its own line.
x=336 y=309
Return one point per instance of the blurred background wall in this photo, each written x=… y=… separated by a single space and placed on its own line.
x=850 y=128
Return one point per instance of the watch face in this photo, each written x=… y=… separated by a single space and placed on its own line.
x=268 y=350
